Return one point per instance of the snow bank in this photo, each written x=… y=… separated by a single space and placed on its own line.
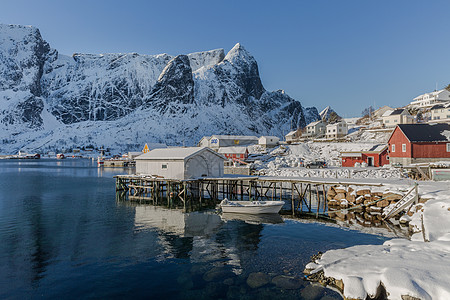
x=415 y=268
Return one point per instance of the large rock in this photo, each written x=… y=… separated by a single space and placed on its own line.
x=287 y=282
x=256 y=280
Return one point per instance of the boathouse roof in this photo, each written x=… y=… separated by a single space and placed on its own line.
x=177 y=153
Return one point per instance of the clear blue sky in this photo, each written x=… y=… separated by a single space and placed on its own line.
x=347 y=54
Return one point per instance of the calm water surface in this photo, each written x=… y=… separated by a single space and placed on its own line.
x=64 y=235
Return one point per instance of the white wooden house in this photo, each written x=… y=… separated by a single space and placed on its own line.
x=392 y=118
x=431 y=99
x=204 y=142
x=315 y=129
x=217 y=141
x=268 y=141
x=336 y=130
x=293 y=136
x=181 y=163
x=440 y=112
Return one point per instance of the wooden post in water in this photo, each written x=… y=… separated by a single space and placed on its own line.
x=281 y=191
x=292 y=198
x=274 y=188
x=242 y=190
x=318 y=201
x=309 y=185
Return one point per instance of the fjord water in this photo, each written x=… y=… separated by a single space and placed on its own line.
x=63 y=234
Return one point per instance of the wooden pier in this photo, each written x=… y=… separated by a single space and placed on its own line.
x=301 y=195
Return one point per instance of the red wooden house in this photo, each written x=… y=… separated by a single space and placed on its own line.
x=240 y=153
x=418 y=143
x=377 y=156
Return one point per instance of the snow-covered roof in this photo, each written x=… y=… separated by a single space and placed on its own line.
x=292 y=133
x=235 y=137
x=269 y=137
x=313 y=123
x=365 y=148
x=178 y=153
x=429 y=94
x=441 y=106
x=387 y=113
x=233 y=150
x=342 y=122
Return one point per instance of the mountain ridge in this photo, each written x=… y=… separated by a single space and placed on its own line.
x=57 y=101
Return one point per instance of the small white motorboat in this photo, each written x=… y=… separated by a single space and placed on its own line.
x=251 y=207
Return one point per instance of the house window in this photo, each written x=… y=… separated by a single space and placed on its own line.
x=448 y=147
x=164 y=166
x=403 y=147
x=393 y=148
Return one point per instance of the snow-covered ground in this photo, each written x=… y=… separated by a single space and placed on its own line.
x=286 y=161
x=419 y=267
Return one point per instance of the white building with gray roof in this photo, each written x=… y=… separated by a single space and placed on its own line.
x=181 y=163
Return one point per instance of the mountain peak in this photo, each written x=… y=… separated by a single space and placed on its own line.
x=239 y=52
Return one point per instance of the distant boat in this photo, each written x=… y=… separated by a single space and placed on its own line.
x=24 y=155
x=251 y=207
x=60 y=156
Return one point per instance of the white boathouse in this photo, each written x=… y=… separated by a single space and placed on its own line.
x=181 y=163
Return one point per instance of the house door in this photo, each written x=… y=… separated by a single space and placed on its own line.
x=370 y=161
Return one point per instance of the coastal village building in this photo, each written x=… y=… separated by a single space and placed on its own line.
x=315 y=129
x=419 y=143
x=217 y=141
x=268 y=141
x=379 y=112
x=376 y=156
x=240 y=153
x=431 y=99
x=440 y=112
x=293 y=136
x=204 y=142
x=336 y=130
x=392 y=118
x=181 y=163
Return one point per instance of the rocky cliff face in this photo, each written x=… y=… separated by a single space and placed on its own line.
x=22 y=56
x=49 y=100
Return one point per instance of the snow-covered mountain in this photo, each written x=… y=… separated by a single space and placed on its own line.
x=326 y=112
x=51 y=101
